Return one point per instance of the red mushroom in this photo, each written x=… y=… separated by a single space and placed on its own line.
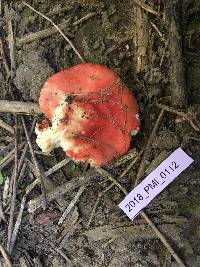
x=91 y=114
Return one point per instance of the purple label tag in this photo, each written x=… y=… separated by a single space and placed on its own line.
x=155 y=182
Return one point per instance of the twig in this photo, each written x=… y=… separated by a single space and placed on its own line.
x=106 y=174
x=19 y=107
x=17 y=223
x=163 y=39
x=132 y=153
x=164 y=52
x=31 y=37
x=2 y=216
x=23 y=155
x=131 y=165
x=151 y=224
x=70 y=232
x=146 y=7
x=5 y=256
x=6 y=126
x=9 y=157
x=47 y=173
x=147 y=151
x=61 y=32
x=13 y=184
x=11 y=42
x=56 y=167
x=182 y=114
x=36 y=203
x=39 y=174
x=71 y=204
x=51 y=31
x=100 y=195
x=5 y=62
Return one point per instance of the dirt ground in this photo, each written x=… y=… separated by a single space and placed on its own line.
x=141 y=56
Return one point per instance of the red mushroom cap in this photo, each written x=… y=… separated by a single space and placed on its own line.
x=92 y=113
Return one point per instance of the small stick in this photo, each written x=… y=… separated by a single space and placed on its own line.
x=6 y=190
x=9 y=157
x=56 y=167
x=5 y=256
x=13 y=190
x=17 y=223
x=147 y=151
x=28 y=38
x=6 y=126
x=130 y=165
x=71 y=204
x=4 y=57
x=106 y=174
x=152 y=225
x=61 y=32
x=36 y=203
x=51 y=31
x=181 y=114
x=47 y=173
x=164 y=53
x=40 y=175
x=2 y=216
x=163 y=39
x=100 y=195
x=19 y=107
x=11 y=42
x=23 y=155
x=146 y=7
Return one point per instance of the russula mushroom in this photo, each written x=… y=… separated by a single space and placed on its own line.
x=91 y=114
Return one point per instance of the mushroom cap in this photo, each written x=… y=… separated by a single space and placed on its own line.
x=91 y=111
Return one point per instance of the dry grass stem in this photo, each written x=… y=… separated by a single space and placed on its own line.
x=5 y=256
x=71 y=204
x=67 y=187
x=130 y=166
x=146 y=7
x=23 y=155
x=6 y=126
x=9 y=157
x=17 y=223
x=163 y=39
x=132 y=153
x=51 y=31
x=11 y=41
x=40 y=176
x=107 y=175
x=57 y=166
x=61 y=32
x=100 y=195
x=13 y=184
x=182 y=114
x=3 y=55
x=2 y=216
